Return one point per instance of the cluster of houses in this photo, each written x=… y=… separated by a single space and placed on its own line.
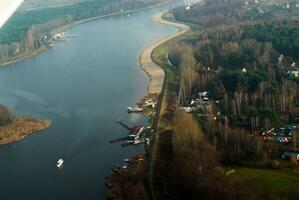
x=287 y=5
x=291 y=4
x=50 y=40
x=141 y=107
x=188 y=5
x=293 y=74
x=281 y=135
x=293 y=71
x=200 y=104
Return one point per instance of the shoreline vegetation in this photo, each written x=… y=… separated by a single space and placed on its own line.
x=14 y=128
x=124 y=182
x=43 y=48
x=20 y=127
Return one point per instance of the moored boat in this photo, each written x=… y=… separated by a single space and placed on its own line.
x=135 y=109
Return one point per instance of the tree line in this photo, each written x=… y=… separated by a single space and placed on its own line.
x=23 y=31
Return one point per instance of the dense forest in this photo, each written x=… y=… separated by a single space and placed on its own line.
x=24 y=30
x=37 y=4
x=245 y=68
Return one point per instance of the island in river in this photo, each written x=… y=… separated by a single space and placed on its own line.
x=14 y=128
x=19 y=127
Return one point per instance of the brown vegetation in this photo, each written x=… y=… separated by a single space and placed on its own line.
x=20 y=127
x=5 y=116
x=14 y=128
x=127 y=184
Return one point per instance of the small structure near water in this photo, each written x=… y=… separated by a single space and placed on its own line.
x=146 y=104
x=137 y=135
x=51 y=39
x=135 y=109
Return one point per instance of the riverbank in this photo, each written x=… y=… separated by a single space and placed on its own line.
x=20 y=127
x=131 y=178
x=126 y=182
x=155 y=72
x=43 y=48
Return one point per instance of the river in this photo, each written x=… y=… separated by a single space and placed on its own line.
x=83 y=85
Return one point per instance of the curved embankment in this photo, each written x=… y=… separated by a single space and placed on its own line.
x=156 y=73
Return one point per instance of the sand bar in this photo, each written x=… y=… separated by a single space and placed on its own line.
x=156 y=73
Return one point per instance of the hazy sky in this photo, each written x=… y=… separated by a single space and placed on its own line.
x=7 y=8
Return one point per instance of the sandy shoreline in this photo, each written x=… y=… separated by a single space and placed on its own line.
x=156 y=73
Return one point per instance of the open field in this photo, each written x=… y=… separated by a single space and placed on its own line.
x=277 y=182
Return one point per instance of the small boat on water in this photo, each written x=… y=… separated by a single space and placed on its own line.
x=136 y=142
x=60 y=163
x=135 y=109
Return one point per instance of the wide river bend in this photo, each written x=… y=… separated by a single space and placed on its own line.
x=83 y=85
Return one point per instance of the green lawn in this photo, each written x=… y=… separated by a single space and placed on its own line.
x=275 y=182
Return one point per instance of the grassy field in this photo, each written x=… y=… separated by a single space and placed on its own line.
x=276 y=182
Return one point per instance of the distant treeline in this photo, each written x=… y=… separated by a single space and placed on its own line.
x=284 y=36
x=16 y=29
x=23 y=31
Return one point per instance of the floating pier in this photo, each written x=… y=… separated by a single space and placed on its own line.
x=119 y=139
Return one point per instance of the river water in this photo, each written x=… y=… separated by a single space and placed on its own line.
x=83 y=85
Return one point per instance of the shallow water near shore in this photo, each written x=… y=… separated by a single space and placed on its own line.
x=83 y=85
